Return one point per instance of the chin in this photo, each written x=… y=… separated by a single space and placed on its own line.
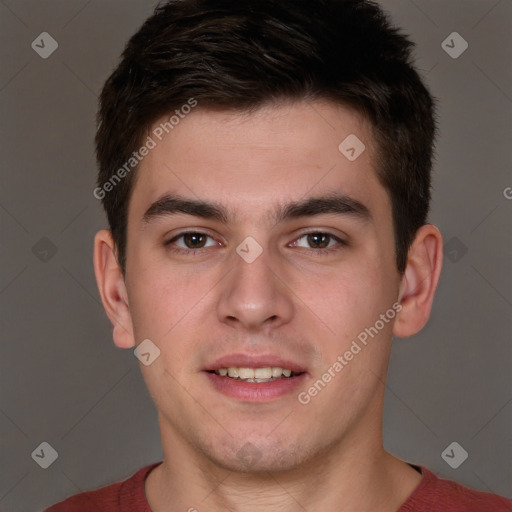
x=258 y=454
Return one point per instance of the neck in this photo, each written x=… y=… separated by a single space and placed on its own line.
x=355 y=474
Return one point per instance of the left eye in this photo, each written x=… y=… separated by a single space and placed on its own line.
x=193 y=240
x=317 y=241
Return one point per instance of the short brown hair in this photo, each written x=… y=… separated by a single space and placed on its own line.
x=241 y=54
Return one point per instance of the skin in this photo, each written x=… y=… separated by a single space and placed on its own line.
x=294 y=301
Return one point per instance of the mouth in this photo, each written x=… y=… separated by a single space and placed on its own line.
x=255 y=379
x=256 y=375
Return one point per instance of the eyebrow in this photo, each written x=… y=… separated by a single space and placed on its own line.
x=340 y=204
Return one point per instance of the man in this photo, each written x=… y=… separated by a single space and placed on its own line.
x=265 y=169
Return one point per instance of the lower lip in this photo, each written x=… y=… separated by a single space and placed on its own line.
x=255 y=391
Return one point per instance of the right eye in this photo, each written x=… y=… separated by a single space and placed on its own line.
x=190 y=242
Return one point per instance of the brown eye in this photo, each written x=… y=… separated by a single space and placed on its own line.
x=318 y=240
x=191 y=240
x=194 y=240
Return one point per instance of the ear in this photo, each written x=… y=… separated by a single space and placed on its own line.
x=112 y=289
x=419 y=282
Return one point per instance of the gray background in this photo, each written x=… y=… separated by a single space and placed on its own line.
x=62 y=379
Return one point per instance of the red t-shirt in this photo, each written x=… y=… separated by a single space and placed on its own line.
x=433 y=494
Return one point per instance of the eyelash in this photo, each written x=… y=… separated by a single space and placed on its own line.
x=314 y=252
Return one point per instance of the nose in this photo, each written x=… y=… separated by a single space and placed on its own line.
x=254 y=295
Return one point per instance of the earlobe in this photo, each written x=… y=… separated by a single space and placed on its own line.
x=419 y=281
x=112 y=289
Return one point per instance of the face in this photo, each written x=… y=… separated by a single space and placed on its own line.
x=254 y=242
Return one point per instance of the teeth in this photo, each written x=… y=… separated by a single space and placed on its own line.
x=254 y=374
x=246 y=373
x=263 y=373
x=233 y=372
x=276 y=371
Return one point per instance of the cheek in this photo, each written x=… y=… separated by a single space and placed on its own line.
x=159 y=300
x=347 y=298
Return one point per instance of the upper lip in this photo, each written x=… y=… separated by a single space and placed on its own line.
x=254 y=361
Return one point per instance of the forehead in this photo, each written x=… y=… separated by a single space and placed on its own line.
x=253 y=163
